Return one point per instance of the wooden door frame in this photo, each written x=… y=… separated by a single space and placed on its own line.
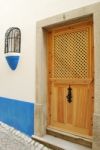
x=41 y=66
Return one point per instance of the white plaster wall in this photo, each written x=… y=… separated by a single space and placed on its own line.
x=20 y=84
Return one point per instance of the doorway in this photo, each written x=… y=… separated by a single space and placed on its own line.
x=42 y=119
x=71 y=77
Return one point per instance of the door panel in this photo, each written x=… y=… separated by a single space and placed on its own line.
x=70 y=63
x=75 y=114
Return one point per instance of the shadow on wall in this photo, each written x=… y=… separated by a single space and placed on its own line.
x=17 y=114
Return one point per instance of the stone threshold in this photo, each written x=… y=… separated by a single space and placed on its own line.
x=58 y=144
x=46 y=142
x=85 y=141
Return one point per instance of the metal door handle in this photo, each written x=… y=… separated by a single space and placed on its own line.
x=69 y=96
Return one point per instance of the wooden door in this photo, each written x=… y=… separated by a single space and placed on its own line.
x=70 y=78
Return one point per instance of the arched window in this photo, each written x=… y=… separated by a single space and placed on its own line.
x=13 y=40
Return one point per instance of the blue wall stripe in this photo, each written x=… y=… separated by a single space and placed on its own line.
x=18 y=114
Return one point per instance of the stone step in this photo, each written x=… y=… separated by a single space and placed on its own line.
x=58 y=144
x=74 y=138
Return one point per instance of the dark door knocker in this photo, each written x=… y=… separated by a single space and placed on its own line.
x=69 y=96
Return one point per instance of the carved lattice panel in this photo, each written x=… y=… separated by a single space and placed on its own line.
x=70 y=54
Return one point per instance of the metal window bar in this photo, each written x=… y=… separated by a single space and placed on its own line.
x=13 y=40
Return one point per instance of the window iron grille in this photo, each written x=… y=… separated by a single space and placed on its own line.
x=12 y=40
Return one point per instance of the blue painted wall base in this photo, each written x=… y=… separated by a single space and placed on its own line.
x=17 y=114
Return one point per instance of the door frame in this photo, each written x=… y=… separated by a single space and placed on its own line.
x=41 y=66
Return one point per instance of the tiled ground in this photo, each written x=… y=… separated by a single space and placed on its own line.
x=10 y=139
